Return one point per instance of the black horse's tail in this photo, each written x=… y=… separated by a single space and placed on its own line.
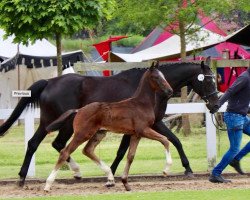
x=59 y=122
x=36 y=90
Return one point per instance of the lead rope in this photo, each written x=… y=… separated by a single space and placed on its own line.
x=218 y=127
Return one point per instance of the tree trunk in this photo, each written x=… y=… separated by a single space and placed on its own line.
x=185 y=117
x=59 y=53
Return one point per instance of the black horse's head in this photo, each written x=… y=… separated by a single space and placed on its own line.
x=205 y=85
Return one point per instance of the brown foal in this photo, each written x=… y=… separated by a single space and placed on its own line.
x=133 y=116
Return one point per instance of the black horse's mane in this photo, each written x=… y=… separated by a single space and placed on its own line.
x=179 y=63
x=174 y=64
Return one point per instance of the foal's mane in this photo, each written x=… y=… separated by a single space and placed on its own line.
x=143 y=81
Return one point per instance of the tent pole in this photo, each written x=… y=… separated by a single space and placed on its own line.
x=18 y=72
x=18 y=80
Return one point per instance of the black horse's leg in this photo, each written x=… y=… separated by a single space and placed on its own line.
x=63 y=136
x=162 y=129
x=60 y=141
x=33 y=143
x=121 y=152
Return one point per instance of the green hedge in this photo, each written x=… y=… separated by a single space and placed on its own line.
x=86 y=44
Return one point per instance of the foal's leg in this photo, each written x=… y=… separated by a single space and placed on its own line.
x=89 y=149
x=60 y=142
x=64 y=155
x=134 y=140
x=153 y=135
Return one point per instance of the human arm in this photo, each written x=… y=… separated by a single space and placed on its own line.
x=236 y=87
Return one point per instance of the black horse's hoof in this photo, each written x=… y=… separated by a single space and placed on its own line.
x=20 y=183
x=78 y=178
x=189 y=174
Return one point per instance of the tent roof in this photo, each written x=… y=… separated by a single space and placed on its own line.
x=38 y=61
x=170 y=48
x=40 y=48
x=149 y=40
x=40 y=54
x=159 y=35
x=240 y=37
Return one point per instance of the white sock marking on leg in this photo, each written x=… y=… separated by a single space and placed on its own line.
x=168 y=162
x=74 y=167
x=50 y=180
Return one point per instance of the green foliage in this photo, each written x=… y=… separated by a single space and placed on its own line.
x=131 y=41
x=243 y=5
x=86 y=44
x=30 y=20
x=75 y=44
x=140 y=16
x=33 y=19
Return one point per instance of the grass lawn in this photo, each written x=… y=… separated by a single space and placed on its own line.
x=150 y=156
x=235 y=194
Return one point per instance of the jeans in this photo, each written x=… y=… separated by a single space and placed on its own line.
x=236 y=125
x=244 y=151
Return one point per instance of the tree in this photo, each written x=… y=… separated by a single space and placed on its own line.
x=177 y=15
x=33 y=19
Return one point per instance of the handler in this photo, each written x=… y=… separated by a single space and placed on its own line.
x=236 y=161
x=237 y=122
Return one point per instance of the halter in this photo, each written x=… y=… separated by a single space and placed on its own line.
x=201 y=77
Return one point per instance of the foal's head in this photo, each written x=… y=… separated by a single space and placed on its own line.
x=158 y=81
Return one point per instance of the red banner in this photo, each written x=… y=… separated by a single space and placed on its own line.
x=104 y=48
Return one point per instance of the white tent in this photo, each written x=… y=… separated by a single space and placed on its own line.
x=170 y=48
x=20 y=78
x=40 y=48
x=39 y=64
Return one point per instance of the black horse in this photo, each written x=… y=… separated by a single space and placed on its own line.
x=71 y=91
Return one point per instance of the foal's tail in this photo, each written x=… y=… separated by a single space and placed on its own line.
x=36 y=90
x=59 y=122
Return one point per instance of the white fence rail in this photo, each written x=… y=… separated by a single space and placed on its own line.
x=30 y=115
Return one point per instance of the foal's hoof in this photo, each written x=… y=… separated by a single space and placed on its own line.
x=46 y=189
x=189 y=174
x=110 y=183
x=165 y=173
x=78 y=175
x=127 y=187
